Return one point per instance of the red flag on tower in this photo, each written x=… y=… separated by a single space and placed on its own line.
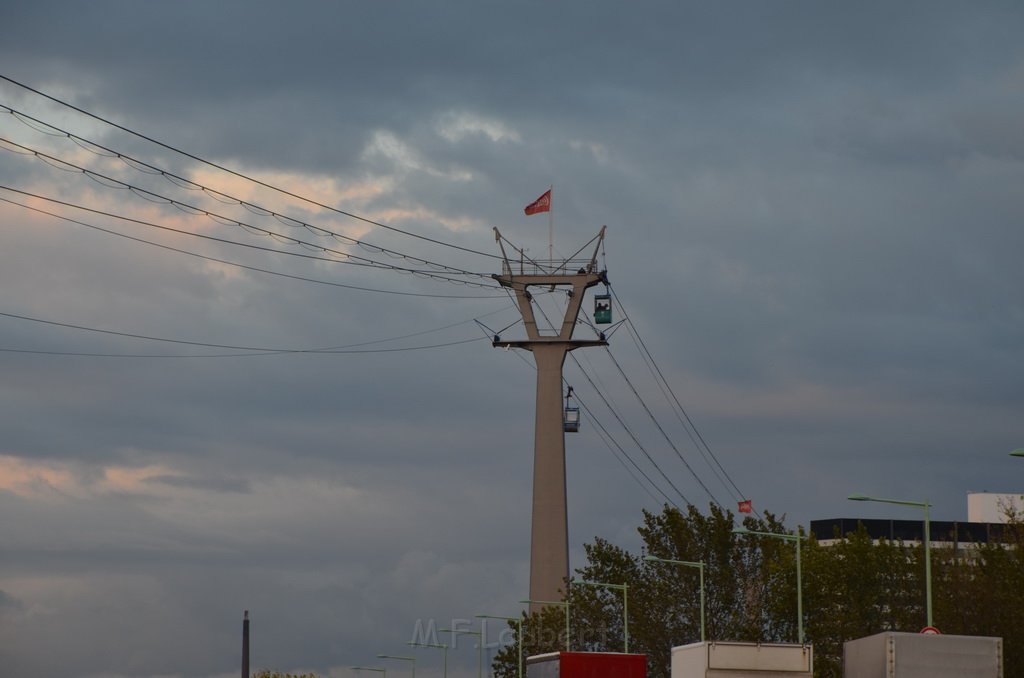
x=746 y=506
x=541 y=204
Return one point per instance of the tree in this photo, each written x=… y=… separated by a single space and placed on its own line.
x=664 y=600
x=852 y=588
x=856 y=588
x=979 y=590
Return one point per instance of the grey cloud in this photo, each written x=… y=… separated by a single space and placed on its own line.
x=813 y=223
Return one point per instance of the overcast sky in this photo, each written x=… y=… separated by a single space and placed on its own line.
x=815 y=226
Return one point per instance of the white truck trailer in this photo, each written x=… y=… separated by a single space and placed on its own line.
x=742 y=660
x=919 y=655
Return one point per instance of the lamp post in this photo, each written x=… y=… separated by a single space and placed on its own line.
x=561 y=603
x=625 y=606
x=436 y=645
x=700 y=566
x=383 y=672
x=927 y=541
x=1019 y=452
x=479 y=647
x=519 y=636
x=799 y=579
x=408 y=659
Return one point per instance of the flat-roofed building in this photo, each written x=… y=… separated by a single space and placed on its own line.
x=987 y=517
x=993 y=507
x=943 y=532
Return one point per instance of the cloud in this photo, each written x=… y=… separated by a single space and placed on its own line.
x=813 y=225
x=457 y=125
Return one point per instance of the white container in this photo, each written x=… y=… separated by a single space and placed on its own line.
x=918 y=655
x=739 y=660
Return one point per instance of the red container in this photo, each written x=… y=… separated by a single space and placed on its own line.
x=587 y=665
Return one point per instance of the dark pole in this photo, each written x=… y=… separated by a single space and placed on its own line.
x=245 y=645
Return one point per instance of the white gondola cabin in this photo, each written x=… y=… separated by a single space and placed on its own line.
x=570 y=416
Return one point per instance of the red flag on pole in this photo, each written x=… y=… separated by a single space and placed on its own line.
x=541 y=204
x=746 y=506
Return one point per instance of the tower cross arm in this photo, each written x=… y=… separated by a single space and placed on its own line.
x=529 y=344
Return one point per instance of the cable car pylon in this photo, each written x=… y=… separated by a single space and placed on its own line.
x=549 y=538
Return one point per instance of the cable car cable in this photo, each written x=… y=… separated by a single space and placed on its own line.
x=622 y=423
x=629 y=431
x=675 y=399
x=240 y=174
x=657 y=424
x=643 y=345
x=142 y=166
x=242 y=266
x=610 y=437
x=241 y=355
x=660 y=428
x=605 y=437
x=350 y=259
x=224 y=220
x=252 y=350
x=690 y=433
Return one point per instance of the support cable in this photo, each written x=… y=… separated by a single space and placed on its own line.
x=609 y=441
x=607 y=436
x=244 y=266
x=688 y=421
x=622 y=423
x=691 y=433
x=352 y=260
x=158 y=198
x=182 y=182
x=237 y=355
x=251 y=350
x=650 y=414
x=240 y=175
x=629 y=432
x=665 y=435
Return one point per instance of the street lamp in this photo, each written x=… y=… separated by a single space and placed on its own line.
x=383 y=672
x=799 y=579
x=408 y=659
x=479 y=647
x=519 y=637
x=436 y=645
x=625 y=606
x=1019 y=452
x=562 y=603
x=700 y=566
x=927 y=540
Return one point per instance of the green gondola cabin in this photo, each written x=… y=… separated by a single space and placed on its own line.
x=602 y=309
